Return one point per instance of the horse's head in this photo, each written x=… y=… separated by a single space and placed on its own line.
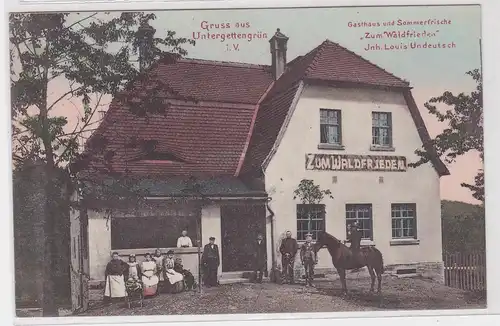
x=320 y=243
x=326 y=240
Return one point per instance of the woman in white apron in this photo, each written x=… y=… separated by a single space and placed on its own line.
x=158 y=259
x=149 y=276
x=174 y=279
x=115 y=275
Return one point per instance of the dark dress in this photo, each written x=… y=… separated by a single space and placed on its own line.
x=355 y=239
x=188 y=276
x=211 y=262
x=288 y=250
x=260 y=259
x=115 y=268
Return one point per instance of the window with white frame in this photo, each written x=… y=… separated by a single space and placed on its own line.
x=361 y=213
x=382 y=129
x=404 y=221
x=330 y=127
x=310 y=219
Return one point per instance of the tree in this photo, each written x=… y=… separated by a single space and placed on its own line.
x=95 y=55
x=310 y=193
x=464 y=133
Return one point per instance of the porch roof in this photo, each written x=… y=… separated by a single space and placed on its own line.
x=219 y=186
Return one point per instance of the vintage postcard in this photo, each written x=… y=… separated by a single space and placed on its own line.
x=195 y=162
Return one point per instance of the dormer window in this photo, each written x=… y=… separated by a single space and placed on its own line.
x=152 y=154
x=158 y=156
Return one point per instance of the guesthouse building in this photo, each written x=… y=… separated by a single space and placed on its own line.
x=227 y=163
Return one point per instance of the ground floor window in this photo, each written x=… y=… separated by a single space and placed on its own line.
x=404 y=221
x=161 y=231
x=310 y=219
x=362 y=213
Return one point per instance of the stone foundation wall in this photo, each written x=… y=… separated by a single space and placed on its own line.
x=430 y=270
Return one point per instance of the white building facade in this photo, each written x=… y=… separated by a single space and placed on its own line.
x=358 y=143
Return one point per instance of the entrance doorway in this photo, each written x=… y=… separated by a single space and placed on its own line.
x=240 y=225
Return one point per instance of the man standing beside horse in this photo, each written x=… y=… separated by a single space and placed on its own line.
x=308 y=258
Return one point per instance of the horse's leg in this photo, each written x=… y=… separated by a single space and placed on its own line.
x=379 y=279
x=341 y=272
x=372 y=276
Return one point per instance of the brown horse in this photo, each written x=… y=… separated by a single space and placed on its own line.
x=343 y=259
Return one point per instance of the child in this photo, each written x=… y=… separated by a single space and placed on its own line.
x=309 y=259
x=188 y=276
x=158 y=259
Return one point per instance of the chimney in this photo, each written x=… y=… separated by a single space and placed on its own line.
x=278 y=53
x=145 y=34
x=102 y=113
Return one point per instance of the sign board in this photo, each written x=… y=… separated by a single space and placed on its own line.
x=334 y=162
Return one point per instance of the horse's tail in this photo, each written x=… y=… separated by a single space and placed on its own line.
x=381 y=260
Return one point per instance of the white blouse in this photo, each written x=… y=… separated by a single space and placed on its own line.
x=184 y=242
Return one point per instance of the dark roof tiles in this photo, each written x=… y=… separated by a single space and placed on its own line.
x=237 y=114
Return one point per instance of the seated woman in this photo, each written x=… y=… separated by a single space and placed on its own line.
x=149 y=276
x=115 y=275
x=188 y=276
x=174 y=280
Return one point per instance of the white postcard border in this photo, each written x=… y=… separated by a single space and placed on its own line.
x=491 y=69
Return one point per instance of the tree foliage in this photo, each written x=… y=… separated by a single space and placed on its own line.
x=310 y=193
x=464 y=131
x=463 y=227
x=58 y=58
x=96 y=55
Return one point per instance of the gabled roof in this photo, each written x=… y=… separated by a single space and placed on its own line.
x=238 y=114
x=329 y=62
x=333 y=62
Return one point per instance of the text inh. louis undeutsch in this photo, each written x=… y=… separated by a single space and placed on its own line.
x=333 y=162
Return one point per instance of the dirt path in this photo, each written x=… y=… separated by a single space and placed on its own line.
x=271 y=298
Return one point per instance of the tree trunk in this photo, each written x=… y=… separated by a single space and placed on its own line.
x=49 y=291
x=49 y=307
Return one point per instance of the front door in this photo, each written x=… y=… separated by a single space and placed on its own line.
x=240 y=225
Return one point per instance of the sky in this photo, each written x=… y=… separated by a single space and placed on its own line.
x=430 y=71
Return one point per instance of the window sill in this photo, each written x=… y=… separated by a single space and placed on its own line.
x=404 y=242
x=367 y=243
x=335 y=147
x=375 y=148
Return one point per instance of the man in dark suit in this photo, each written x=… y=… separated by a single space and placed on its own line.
x=288 y=250
x=211 y=262
x=260 y=258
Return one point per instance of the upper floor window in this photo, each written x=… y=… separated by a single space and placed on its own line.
x=330 y=127
x=382 y=129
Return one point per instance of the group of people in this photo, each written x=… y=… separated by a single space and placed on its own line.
x=308 y=255
x=158 y=272
x=155 y=272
